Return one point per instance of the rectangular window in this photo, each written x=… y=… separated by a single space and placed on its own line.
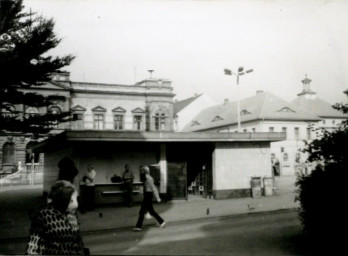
x=118 y=122
x=99 y=121
x=297 y=133
x=271 y=129
x=308 y=133
x=284 y=129
x=79 y=123
x=137 y=122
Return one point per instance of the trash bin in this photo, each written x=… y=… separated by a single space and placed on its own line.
x=268 y=186
x=256 y=186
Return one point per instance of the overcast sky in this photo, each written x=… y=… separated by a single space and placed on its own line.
x=191 y=42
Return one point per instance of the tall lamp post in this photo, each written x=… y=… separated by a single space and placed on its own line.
x=240 y=72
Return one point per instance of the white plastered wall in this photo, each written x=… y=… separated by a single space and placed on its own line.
x=235 y=163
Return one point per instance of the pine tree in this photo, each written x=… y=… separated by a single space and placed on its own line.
x=25 y=39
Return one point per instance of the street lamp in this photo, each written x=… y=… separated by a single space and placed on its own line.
x=240 y=72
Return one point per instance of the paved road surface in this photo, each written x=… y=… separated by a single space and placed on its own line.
x=257 y=234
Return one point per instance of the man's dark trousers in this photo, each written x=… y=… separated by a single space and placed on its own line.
x=146 y=205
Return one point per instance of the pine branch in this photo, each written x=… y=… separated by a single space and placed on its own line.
x=25 y=39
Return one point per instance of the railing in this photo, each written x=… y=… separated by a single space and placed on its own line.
x=29 y=174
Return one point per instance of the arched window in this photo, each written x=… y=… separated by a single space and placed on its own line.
x=8 y=156
x=163 y=122
x=157 y=122
x=244 y=112
x=31 y=111
x=54 y=110
x=9 y=110
x=195 y=123
x=217 y=118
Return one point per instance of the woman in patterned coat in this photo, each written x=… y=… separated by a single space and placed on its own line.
x=51 y=231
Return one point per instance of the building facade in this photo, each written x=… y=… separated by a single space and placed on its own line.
x=301 y=120
x=144 y=106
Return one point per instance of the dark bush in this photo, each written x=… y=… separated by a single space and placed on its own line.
x=323 y=193
x=322 y=197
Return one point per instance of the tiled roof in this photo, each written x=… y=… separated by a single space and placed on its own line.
x=319 y=107
x=179 y=105
x=261 y=106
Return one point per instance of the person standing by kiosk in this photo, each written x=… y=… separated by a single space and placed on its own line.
x=89 y=189
x=128 y=178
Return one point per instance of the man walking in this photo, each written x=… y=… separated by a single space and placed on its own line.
x=146 y=206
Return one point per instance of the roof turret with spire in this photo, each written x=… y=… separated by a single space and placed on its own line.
x=308 y=100
x=306 y=91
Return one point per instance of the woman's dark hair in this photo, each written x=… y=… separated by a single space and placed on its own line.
x=60 y=195
x=67 y=170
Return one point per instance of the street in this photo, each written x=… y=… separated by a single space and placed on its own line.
x=257 y=234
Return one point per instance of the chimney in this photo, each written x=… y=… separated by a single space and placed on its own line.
x=226 y=101
x=259 y=92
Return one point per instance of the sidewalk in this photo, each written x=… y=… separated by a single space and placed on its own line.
x=15 y=222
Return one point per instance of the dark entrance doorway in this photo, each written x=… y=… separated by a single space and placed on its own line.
x=177 y=182
x=199 y=178
x=189 y=170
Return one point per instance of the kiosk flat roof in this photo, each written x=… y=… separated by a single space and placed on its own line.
x=135 y=136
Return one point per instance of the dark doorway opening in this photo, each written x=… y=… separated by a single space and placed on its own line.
x=190 y=170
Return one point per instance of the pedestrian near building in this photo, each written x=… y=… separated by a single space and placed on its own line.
x=275 y=165
x=146 y=206
x=128 y=178
x=89 y=188
x=67 y=170
x=51 y=232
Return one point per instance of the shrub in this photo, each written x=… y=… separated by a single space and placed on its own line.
x=323 y=194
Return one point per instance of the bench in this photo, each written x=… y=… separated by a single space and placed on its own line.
x=117 y=192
